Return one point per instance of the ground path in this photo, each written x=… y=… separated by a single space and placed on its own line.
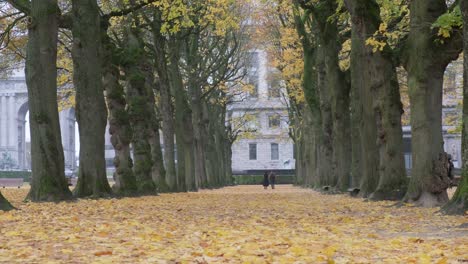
x=243 y=224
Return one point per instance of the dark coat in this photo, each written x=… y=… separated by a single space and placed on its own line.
x=266 y=182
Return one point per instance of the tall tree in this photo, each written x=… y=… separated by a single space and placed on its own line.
x=183 y=119
x=425 y=59
x=459 y=202
x=334 y=89
x=48 y=181
x=318 y=101
x=135 y=64
x=119 y=122
x=379 y=84
x=166 y=106
x=91 y=111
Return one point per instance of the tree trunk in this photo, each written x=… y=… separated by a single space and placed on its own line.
x=4 y=204
x=356 y=144
x=326 y=171
x=183 y=121
x=365 y=167
x=137 y=95
x=119 y=123
x=167 y=111
x=337 y=84
x=380 y=80
x=425 y=61
x=195 y=94
x=91 y=111
x=158 y=172
x=311 y=133
x=459 y=202
x=48 y=180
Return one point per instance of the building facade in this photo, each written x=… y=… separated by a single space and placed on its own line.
x=265 y=143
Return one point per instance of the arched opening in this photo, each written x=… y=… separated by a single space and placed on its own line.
x=24 y=138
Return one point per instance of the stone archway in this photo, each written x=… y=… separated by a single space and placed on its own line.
x=23 y=159
x=67 y=128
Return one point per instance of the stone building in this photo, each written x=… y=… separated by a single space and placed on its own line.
x=265 y=143
x=14 y=136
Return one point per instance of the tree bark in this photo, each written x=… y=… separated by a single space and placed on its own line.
x=425 y=60
x=4 y=204
x=195 y=94
x=459 y=202
x=340 y=88
x=47 y=160
x=365 y=174
x=380 y=80
x=158 y=172
x=183 y=122
x=167 y=111
x=311 y=131
x=356 y=143
x=135 y=67
x=326 y=173
x=91 y=111
x=119 y=123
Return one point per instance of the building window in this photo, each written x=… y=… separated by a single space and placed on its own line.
x=274 y=151
x=252 y=151
x=251 y=68
x=274 y=85
x=253 y=85
x=274 y=121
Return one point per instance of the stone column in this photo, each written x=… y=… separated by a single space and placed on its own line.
x=263 y=74
x=13 y=124
x=3 y=118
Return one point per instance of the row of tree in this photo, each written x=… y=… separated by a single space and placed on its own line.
x=141 y=67
x=346 y=109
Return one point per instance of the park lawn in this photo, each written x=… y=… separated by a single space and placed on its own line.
x=243 y=224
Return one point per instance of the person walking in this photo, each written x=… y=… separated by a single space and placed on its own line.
x=265 y=180
x=272 y=179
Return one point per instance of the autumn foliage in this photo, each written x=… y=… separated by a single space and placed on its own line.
x=232 y=225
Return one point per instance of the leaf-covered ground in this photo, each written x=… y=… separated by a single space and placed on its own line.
x=244 y=224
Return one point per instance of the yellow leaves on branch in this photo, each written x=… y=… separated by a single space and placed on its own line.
x=218 y=14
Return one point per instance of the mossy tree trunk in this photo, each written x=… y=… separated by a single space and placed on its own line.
x=91 y=111
x=183 y=123
x=334 y=93
x=4 y=204
x=364 y=169
x=158 y=172
x=425 y=59
x=195 y=93
x=326 y=174
x=47 y=160
x=175 y=179
x=167 y=113
x=315 y=171
x=356 y=143
x=336 y=82
x=119 y=122
x=135 y=66
x=459 y=202
x=380 y=80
